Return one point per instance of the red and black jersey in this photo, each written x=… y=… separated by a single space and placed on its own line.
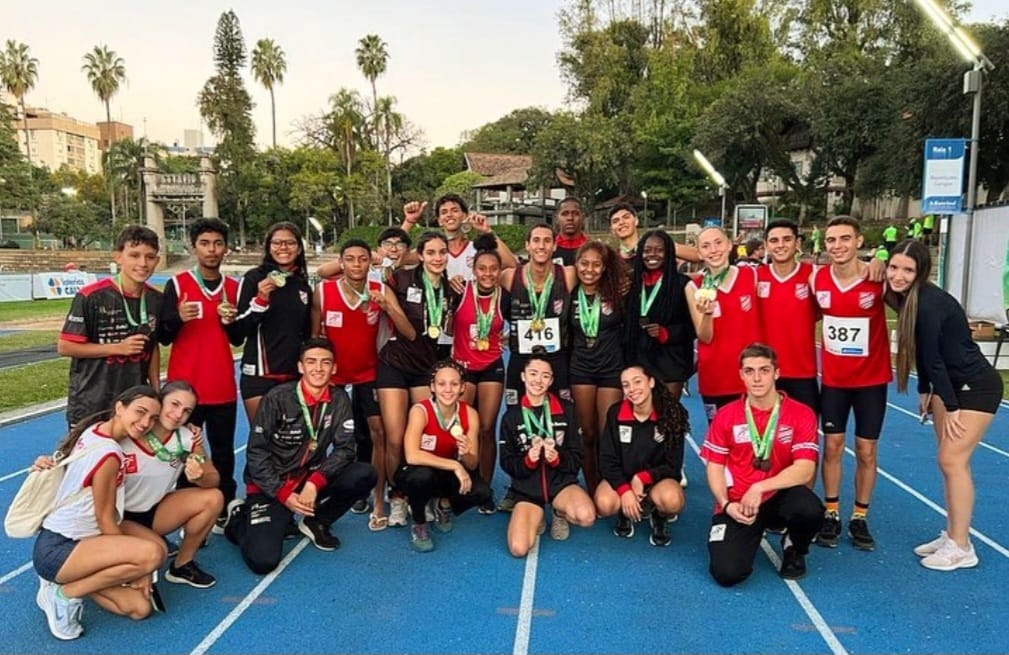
x=352 y=327
x=788 y=313
x=735 y=327
x=416 y=357
x=464 y=346
x=98 y=314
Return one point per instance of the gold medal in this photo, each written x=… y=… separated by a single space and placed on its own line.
x=761 y=464
x=549 y=443
x=279 y=278
x=224 y=309
x=433 y=332
x=312 y=445
x=483 y=344
x=537 y=325
x=455 y=431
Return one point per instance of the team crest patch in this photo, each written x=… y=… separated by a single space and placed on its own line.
x=802 y=291
x=558 y=306
x=785 y=434
x=606 y=308
x=823 y=299
x=559 y=437
x=304 y=297
x=746 y=302
x=866 y=299
x=763 y=289
x=130 y=463
x=658 y=436
x=372 y=317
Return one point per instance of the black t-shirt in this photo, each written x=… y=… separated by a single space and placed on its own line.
x=420 y=355
x=606 y=356
x=98 y=315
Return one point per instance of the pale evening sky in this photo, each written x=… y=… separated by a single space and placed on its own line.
x=453 y=64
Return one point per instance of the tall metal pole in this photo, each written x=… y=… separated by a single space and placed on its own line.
x=977 y=78
x=723 y=206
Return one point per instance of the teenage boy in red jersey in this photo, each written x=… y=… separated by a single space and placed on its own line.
x=856 y=372
x=197 y=318
x=110 y=330
x=761 y=454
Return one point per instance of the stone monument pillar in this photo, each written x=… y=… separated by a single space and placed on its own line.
x=153 y=210
x=208 y=179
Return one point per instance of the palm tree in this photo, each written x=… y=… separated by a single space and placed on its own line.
x=268 y=67
x=106 y=71
x=390 y=122
x=345 y=121
x=372 y=58
x=19 y=72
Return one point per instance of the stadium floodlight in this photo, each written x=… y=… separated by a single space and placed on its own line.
x=715 y=176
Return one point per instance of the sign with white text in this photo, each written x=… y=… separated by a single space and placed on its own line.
x=942 y=182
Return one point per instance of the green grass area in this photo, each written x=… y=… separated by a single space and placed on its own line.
x=27 y=339
x=32 y=309
x=33 y=383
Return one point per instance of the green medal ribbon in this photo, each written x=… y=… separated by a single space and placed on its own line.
x=648 y=299
x=312 y=427
x=203 y=285
x=126 y=307
x=588 y=314
x=762 y=442
x=538 y=301
x=483 y=321
x=536 y=427
x=434 y=302
x=713 y=281
x=362 y=296
x=161 y=452
x=447 y=427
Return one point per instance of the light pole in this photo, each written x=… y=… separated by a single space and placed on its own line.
x=644 y=194
x=972 y=84
x=715 y=176
x=3 y=183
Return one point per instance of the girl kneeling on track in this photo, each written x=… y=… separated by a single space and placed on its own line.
x=956 y=384
x=641 y=457
x=541 y=449
x=154 y=463
x=83 y=549
x=442 y=454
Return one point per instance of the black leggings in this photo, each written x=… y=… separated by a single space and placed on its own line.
x=733 y=545
x=219 y=437
x=422 y=483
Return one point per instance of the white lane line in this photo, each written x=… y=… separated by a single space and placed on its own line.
x=807 y=605
x=13 y=475
x=913 y=415
x=523 y=629
x=800 y=596
x=997 y=547
x=256 y=592
x=16 y=572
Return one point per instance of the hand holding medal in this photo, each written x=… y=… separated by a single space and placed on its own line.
x=535 y=449
x=550 y=450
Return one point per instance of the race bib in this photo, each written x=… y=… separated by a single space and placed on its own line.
x=549 y=337
x=334 y=319
x=199 y=307
x=428 y=442
x=414 y=295
x=846 y=337
x=625 y=434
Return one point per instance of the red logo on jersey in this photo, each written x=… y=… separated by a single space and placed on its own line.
x=802 y=291
x=785 y=433
x=607 y=309
x=865 y=299
x=372 y=315
x=130 y=463
x=823 y=299
x=746 y=302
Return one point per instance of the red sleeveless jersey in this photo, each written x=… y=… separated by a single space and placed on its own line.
x=464 y=350
x=788 y=313
x=437 y=440
x=735 y=326
x=201 y=353
x=353 y=331
x=856 y=352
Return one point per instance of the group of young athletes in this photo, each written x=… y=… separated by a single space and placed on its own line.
x=381 y=389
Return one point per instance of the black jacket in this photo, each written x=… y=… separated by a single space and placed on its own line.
x=542 y=480
x=278 y=458
x=273 y=333
x=628 y=447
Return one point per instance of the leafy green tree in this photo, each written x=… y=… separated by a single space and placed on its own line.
x=345 y=124
x=460 y=184
x=419 y=177
x=268 y=67
x=71 y=217
x=515 y=133
x=736 y=35
x=106 y=72
x=15 y=190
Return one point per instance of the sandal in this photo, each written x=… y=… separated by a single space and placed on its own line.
x=377 y=523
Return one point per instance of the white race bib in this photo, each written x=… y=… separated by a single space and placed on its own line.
x=334 y=319
x=414 y=294
x=549 y=337
x=428 y=442
x=846 y=337
x=198 y=305
x=626 y=433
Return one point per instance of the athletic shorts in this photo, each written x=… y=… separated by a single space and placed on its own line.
x=537 y=500
x=515 y=388
x=252 y=386
x=145 y=518
x=714 y=403
x=364 y=400
x=495 y=372
x=982 y=394
x=50 y=553
x=805 y=390
x=867 y=403
x=606 y=380
x=390 y=377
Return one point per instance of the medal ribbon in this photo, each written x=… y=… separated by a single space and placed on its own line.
x=536 y=427
x=434 y=302
x=762 y=442
x=447 y=427
x=588 y=314
x=362 y=296
x=159 y=449
x=713 y=281
x=207 y=293
x=648 y=299
x=483 y=321
x=313 y=425
x=538 y=301
x=118 y=281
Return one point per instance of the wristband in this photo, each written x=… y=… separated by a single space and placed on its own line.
x=725 y=506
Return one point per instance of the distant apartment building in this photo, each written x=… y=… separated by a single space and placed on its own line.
x=59 y=140
x=112 y=133
x=192 y=139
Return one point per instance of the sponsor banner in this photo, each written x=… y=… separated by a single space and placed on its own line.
x=15 y=286
x=54 y=285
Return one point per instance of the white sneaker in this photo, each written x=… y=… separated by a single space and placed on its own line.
x=950 y=557
x=930 y=547
x=397 y=513
x=683 y=478
x=62 y=615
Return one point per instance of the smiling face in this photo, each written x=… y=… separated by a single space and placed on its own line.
x=590 y=267
x=637 y=386
x=538 y=376
x=541 y=245
x=434 y=256
x=781 y=245
x=653 y=254
x=393 y=248
x=284 y=248
x=901 y=272
x=316 y=367
x=843 y=242
x=136 y=262
x=138 y=417
x=450 y=216
x=623 y=224
x=447 y=386
x=487 y=271
x=713 y=246
x=176 y=409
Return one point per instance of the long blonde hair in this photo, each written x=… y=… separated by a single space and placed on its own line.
x=907 y=316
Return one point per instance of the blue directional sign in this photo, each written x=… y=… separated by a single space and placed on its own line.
x=942 y=182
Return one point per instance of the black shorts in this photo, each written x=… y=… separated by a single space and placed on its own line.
x=390 y=377
x=607 y=380
x=805 y=390
x=515 y=388
x=364 y=401
x=252 y=386
x=493 y=373
x=714 y=403
x=867 y=403
x=926 y=230
x=982 y=394
x=145 y=518
x=538 y=498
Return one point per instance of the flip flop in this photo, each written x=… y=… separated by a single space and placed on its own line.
x=377 y=523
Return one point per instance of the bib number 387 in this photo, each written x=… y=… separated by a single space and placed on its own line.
x=846 y=337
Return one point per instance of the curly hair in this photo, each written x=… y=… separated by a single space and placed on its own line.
x=447 y=363
x=614 y=280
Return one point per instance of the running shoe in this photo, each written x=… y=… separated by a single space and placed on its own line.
x=858 y=532
x=660 y=530
x=442 y=515
x=420 y=538
x=830 y=531
x=318 y=533
x=560 y=529
x=191 y=574
x=397 y=513
x=950 y=557
x=926 y=549
x=624 y=527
